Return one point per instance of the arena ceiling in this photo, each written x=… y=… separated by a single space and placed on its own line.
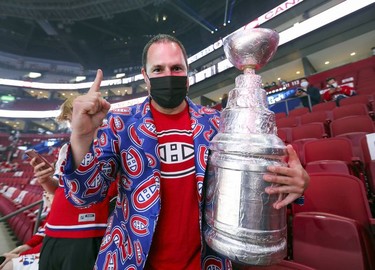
x=110 y=34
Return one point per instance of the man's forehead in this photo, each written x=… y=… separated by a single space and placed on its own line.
x=176 y=56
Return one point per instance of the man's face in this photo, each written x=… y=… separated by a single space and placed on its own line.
x=164 y=59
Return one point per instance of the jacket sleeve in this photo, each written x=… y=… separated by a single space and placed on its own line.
x=90 y=182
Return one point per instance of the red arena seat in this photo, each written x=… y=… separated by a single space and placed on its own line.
x=325 y=241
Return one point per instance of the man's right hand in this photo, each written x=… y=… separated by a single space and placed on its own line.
x=88 y=113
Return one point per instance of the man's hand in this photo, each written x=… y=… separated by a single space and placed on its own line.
x=88 y=113
x=292 y=180
x=89 y=110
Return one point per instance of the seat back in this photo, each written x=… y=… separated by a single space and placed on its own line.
x=299 y=111
x=312 y=130
x=356 y=123
x=328 y=149
x=280 y=115
x=315 y=116
x=290 y=121
x=362 y=99
x=324 y=106
x=337 y=194
x=349 y=110
x=326 y=242
x=331 y=166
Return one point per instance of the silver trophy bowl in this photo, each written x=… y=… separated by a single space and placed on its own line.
x=240 y=221
x=251 y=48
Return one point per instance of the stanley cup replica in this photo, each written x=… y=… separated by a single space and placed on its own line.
x=241 y=223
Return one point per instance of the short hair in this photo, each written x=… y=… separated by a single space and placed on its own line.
x=160 y=38
x=304 y=78
x=330 y=78
x=66 y=110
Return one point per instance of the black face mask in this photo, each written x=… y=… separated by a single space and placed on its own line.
x=168 y=91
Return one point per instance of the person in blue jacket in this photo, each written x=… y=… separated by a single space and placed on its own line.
x=160 y=150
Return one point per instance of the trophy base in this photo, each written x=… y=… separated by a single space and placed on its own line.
x=242 y=252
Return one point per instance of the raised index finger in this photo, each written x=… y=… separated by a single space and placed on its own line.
x=95 y=87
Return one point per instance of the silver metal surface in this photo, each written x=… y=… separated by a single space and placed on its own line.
x=241 y=222
x=251 y=47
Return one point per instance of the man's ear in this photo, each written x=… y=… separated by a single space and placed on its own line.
x=146 y=79
x=144 y=73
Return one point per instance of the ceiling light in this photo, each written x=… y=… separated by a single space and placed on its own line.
x=326 y=62
x=80 y=78
x=164 y=17
x=352 y=54
x=120 y=75
x=298 y=72
x=34 y=75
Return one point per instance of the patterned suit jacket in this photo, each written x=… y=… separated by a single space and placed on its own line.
x=127 y=148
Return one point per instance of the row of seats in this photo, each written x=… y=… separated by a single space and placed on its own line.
x=322 y=115
x=365 y=99
x=13 y=199
x=18 y=189
x=335 y=228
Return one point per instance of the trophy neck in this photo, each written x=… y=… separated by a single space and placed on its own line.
x=247 y=110
x=249 y=81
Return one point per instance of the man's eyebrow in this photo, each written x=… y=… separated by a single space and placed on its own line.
x=156 y=66
x=178 y=65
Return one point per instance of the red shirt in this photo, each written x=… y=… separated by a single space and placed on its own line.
x=176 y=243
x=67 y=221
x=342 y=90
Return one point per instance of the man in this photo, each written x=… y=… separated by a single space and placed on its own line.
x=157 y=219
x=306 y=90
x=337 y=92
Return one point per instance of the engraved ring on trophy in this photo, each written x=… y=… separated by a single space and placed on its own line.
x=240 y=221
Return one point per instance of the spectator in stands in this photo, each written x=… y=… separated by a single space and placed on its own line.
x=158 y=217
x=337 y=92
x=224 y=101
x=26 y=256
x=13 y=138
x=306 y=90
x=73 y=235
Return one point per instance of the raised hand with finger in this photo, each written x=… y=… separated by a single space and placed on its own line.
x=89 y=111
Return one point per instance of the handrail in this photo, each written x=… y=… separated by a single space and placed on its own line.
x=38 y=218
x=21 y=210
x=291 y=98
